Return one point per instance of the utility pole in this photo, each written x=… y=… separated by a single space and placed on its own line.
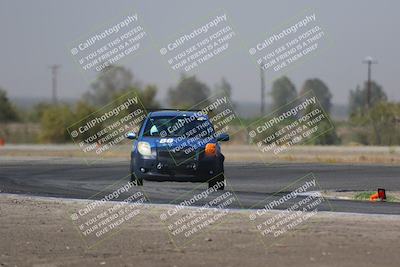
x=262 y=107
x=54 y=69
x=369 y=61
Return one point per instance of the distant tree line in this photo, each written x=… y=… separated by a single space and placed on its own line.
x=112 y=83
x=283 y=91
x=376 y=125
x=8 y=112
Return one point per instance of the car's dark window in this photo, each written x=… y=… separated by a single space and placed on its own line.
x=171 y=126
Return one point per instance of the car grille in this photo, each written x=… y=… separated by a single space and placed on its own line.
x=177 y=157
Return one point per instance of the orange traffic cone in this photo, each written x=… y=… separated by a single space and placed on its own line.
x=374 y=197
x=382 y=194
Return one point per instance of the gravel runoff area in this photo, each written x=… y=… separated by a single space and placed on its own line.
x=39 y=232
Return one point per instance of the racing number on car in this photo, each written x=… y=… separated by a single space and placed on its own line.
x=166 y=140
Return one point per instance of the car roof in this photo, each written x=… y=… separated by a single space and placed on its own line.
x=174 y=113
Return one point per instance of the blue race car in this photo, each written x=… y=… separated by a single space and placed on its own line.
x=177 y=146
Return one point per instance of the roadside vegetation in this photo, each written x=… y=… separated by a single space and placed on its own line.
x=47 y=122
x=366 y=195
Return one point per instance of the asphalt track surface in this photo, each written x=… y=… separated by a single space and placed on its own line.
x=254 y=185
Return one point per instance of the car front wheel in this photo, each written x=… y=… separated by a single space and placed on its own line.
x=218 y=181
x=134 y=179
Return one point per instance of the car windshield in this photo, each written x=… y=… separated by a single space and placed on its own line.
x=178 y=126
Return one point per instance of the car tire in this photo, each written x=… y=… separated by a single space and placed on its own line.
x=218 y=179
x=134 y=178
x=136 y=181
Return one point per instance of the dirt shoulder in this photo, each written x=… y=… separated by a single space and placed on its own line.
x=232 y=152
x=39 y=232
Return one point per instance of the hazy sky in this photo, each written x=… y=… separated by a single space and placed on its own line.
x=35 y=34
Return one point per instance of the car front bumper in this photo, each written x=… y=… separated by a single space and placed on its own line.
x=196 y=169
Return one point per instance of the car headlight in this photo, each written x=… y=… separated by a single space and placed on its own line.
x=144 y=148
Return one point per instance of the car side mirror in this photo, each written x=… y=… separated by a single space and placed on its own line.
x=131 y=135
x=223 y=137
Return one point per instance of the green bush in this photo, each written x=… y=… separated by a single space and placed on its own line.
x=378 y=126
x=54 y=123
